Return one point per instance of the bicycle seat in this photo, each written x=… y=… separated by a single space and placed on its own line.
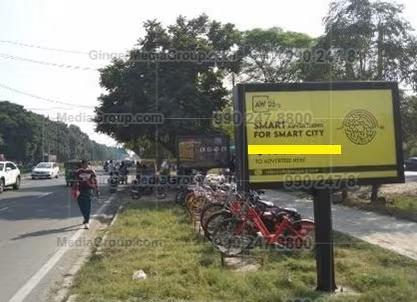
x=290 y=210
x=266 y=203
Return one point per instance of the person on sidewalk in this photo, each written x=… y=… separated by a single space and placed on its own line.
x=86 y=184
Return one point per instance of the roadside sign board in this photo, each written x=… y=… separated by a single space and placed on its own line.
x=318 y=133
x=203 y=151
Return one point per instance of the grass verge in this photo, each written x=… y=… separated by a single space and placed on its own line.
x=399 y=206
x=181 y=266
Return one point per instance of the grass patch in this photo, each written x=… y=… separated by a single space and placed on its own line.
x=181 y=266
x=399 y=206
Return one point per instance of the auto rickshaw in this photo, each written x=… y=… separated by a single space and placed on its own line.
x=71 y=168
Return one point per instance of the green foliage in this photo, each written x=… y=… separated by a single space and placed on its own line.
x=363 y=40
x=382 y=41
x=270 y=55
x=408 y=108
x=226 y=121
x=186 y=92
x=22 y=134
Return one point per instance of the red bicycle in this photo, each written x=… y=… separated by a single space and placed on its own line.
x=283 y=228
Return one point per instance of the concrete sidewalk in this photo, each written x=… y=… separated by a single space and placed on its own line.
x=393 y=234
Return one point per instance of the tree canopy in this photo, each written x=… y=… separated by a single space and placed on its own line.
x=23 y=132
x=363 y=40
x=184 y=90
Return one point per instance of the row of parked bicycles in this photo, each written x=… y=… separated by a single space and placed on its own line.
x=236 y=222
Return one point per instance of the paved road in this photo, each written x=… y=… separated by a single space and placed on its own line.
x=388 y=232
x=31 y=222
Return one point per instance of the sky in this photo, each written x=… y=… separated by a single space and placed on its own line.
x=70 y=34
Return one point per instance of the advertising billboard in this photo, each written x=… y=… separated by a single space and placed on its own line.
x=203 y=151
x=340 y=132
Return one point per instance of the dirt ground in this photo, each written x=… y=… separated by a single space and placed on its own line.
x=386 y=192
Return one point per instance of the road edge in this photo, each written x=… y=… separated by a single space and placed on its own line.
x=62 y=294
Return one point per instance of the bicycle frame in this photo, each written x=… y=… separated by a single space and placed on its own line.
x=270 y=238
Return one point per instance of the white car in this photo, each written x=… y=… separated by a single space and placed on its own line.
x=45 y=170
x=9 y=175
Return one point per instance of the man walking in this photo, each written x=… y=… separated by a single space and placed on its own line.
x=86 y=183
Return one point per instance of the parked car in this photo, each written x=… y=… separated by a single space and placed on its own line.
x=410 y=164
x=9 y=175
x=45 y=170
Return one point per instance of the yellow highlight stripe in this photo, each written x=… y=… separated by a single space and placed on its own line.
x=295 y=149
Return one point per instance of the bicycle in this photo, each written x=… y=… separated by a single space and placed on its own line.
x=240 y=231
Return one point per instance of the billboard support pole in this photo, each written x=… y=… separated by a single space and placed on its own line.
x=324 y=240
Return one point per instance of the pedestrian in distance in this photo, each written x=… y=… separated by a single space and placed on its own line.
x=123 y=171
x=85 y=186
x=110 y=167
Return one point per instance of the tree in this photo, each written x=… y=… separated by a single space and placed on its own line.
x=186 y=92
x=22 y=134
x=272 y=55
x=408 y=109
x=381 y=38
x=376 y=40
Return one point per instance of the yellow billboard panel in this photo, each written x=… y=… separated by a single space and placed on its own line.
x=317 y=131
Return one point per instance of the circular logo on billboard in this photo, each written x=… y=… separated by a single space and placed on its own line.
x=360 y=126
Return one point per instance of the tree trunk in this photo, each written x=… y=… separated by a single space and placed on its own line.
x=374 y=193
x=344 y=194
x=380 y=65
x=380 y=69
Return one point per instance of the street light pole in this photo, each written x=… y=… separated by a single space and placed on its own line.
x=43 y=139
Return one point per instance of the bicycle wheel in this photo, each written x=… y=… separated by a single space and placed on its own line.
x=180 y=197
x=197 y=205
x=187 y=198
x=207 y=211
x=301 y=235
x=233 y=236
x=213 y=221
x=192 y=205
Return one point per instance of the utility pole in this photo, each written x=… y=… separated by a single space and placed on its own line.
x=158 y=160
x=49 y=146
x=43 y=139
